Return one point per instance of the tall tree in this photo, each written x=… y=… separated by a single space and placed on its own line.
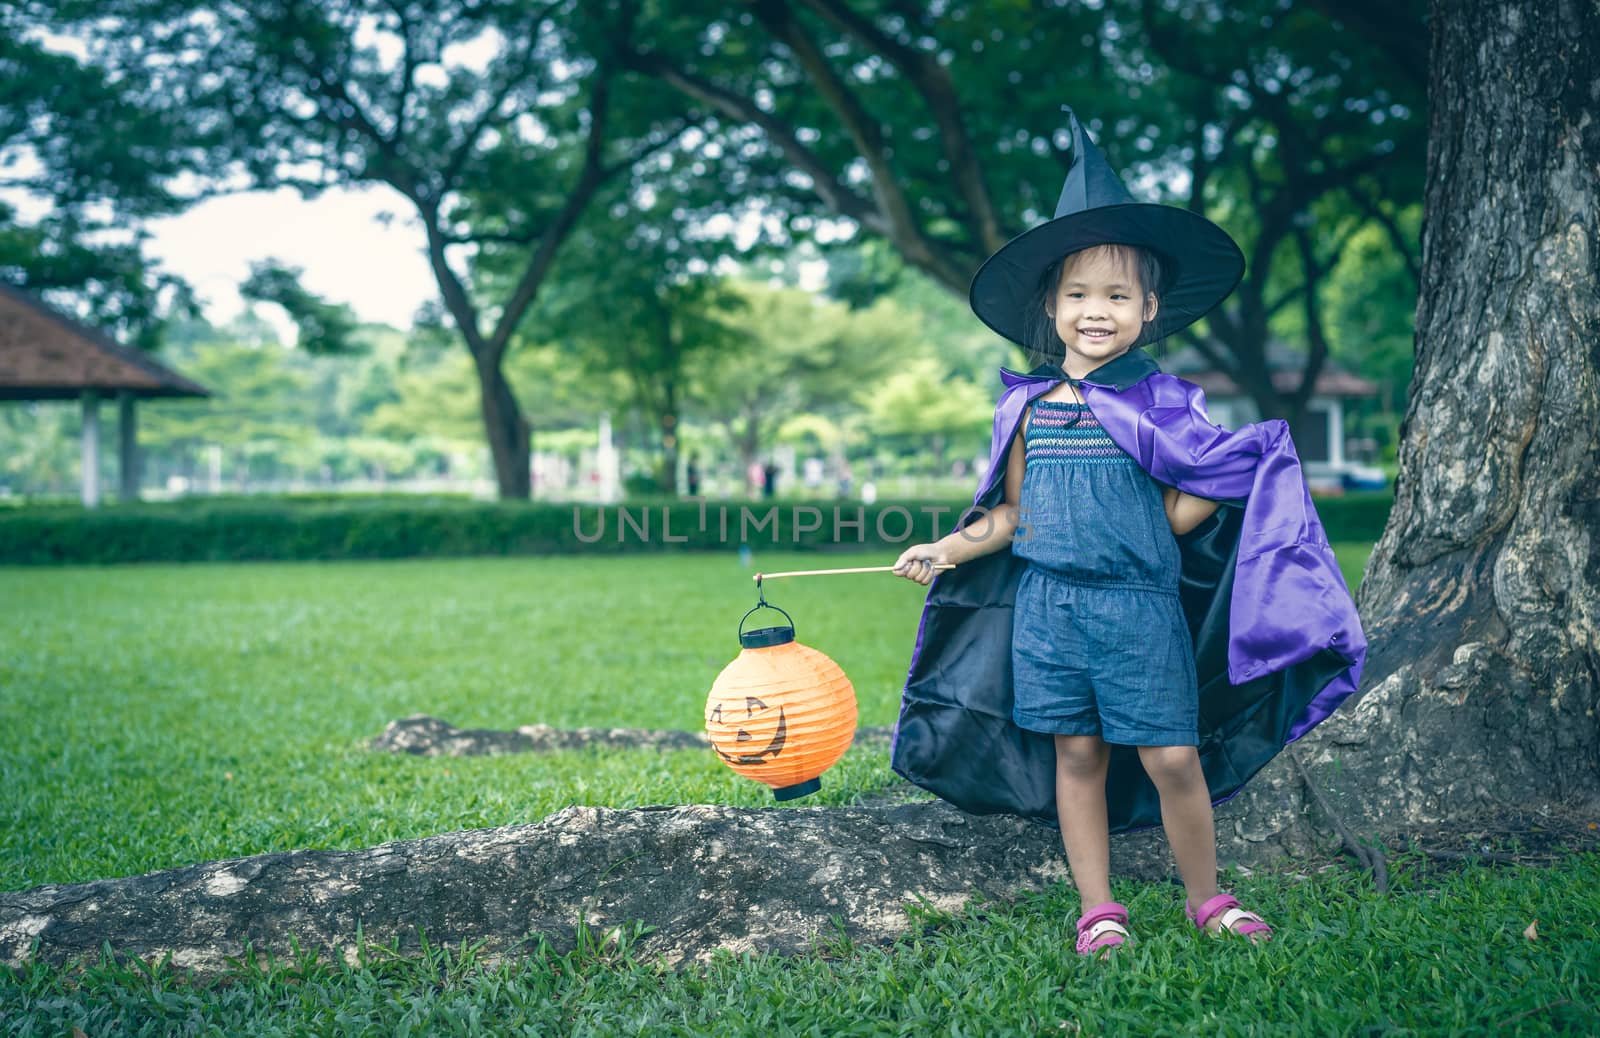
x=260 y=409
x=796 y=352
x=1482 y=600
x=902 y=409
x=1302 y=135
x=449 y=104
x=933 y=127
x=622 y=304
x=85 y=156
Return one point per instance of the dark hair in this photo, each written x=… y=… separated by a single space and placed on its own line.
x=1039 y=328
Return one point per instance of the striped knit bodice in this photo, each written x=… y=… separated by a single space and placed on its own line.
x=1063 y=432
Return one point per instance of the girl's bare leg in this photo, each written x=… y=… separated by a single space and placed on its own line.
x=1081 y=807
x=1186 y=816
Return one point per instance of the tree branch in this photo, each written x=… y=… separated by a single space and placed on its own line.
x=1200 y=173
x=1318 y=270
x=522 y=237
x=589 y=180
x=1277 y=221
x=408 y=71
x=827 y=187
x=1222 y=324
x=933 y=82
x=867 y=134
x=338 y=107
x=1314 y=331
x=1374 y=208
x=1213 y=356
x=645 y=151
x=463 y=151
x=353 y=117
x=1274 y=307
x=527 y=236
x=1398 y=29
x=456 y=299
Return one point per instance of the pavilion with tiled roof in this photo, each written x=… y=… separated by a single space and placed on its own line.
x=47 y=355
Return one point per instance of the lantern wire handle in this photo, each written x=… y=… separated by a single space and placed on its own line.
x=763 y=603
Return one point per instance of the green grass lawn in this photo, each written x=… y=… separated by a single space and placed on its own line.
x=163 y=715
x=1444 y=956
x=1352 y=560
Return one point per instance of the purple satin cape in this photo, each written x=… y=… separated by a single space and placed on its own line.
x=1278 y=644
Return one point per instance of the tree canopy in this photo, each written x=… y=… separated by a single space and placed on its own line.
x=916 y=137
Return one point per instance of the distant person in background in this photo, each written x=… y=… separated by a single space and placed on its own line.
x=769 y=480
x=813 y=473
x=692 y=474
x=754 y=476
x=844 y=479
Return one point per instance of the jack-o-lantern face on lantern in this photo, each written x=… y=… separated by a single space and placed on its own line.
x=757 y=736
x=782 y=713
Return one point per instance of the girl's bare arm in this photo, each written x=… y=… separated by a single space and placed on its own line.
x=1185 y=511
x=984 y=535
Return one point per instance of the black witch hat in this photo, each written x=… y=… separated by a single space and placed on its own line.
x=1200 y=263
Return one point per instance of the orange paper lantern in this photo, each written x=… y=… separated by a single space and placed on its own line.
x=781 y=713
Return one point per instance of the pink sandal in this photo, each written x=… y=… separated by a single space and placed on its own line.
x=1102 y=927
x=1234 y=919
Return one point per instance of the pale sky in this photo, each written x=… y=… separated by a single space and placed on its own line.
x=346 y=254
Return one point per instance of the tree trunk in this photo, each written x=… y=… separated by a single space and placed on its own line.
x=746 y=440
x=1482 y=600
x=703 y=877
x=507 y=431
x=667 y=476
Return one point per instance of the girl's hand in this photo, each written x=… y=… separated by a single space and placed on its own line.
x=917 y=562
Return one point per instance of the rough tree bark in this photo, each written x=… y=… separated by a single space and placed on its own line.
x=1482 y=600
x=704 y=876
x=506 y=430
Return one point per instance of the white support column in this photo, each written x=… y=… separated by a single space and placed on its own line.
x=1336 y=433
x=127 y=446
x=91 y=449
x=608 y=461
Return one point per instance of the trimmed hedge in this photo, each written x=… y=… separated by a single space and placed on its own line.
x=276 y=529
x=1355 y=518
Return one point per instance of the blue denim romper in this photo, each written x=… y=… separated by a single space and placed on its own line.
x=1099 y=641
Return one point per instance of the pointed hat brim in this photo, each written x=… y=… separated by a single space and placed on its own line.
x=1201 y=264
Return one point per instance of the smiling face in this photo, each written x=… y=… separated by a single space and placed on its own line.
x=1099 y=307
x=746 y=730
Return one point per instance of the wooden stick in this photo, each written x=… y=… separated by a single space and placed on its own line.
x=825 y=572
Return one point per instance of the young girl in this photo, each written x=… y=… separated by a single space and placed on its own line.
x=1101 y=651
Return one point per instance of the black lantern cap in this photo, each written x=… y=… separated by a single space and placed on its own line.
x=762 y=637
x=795 y=792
